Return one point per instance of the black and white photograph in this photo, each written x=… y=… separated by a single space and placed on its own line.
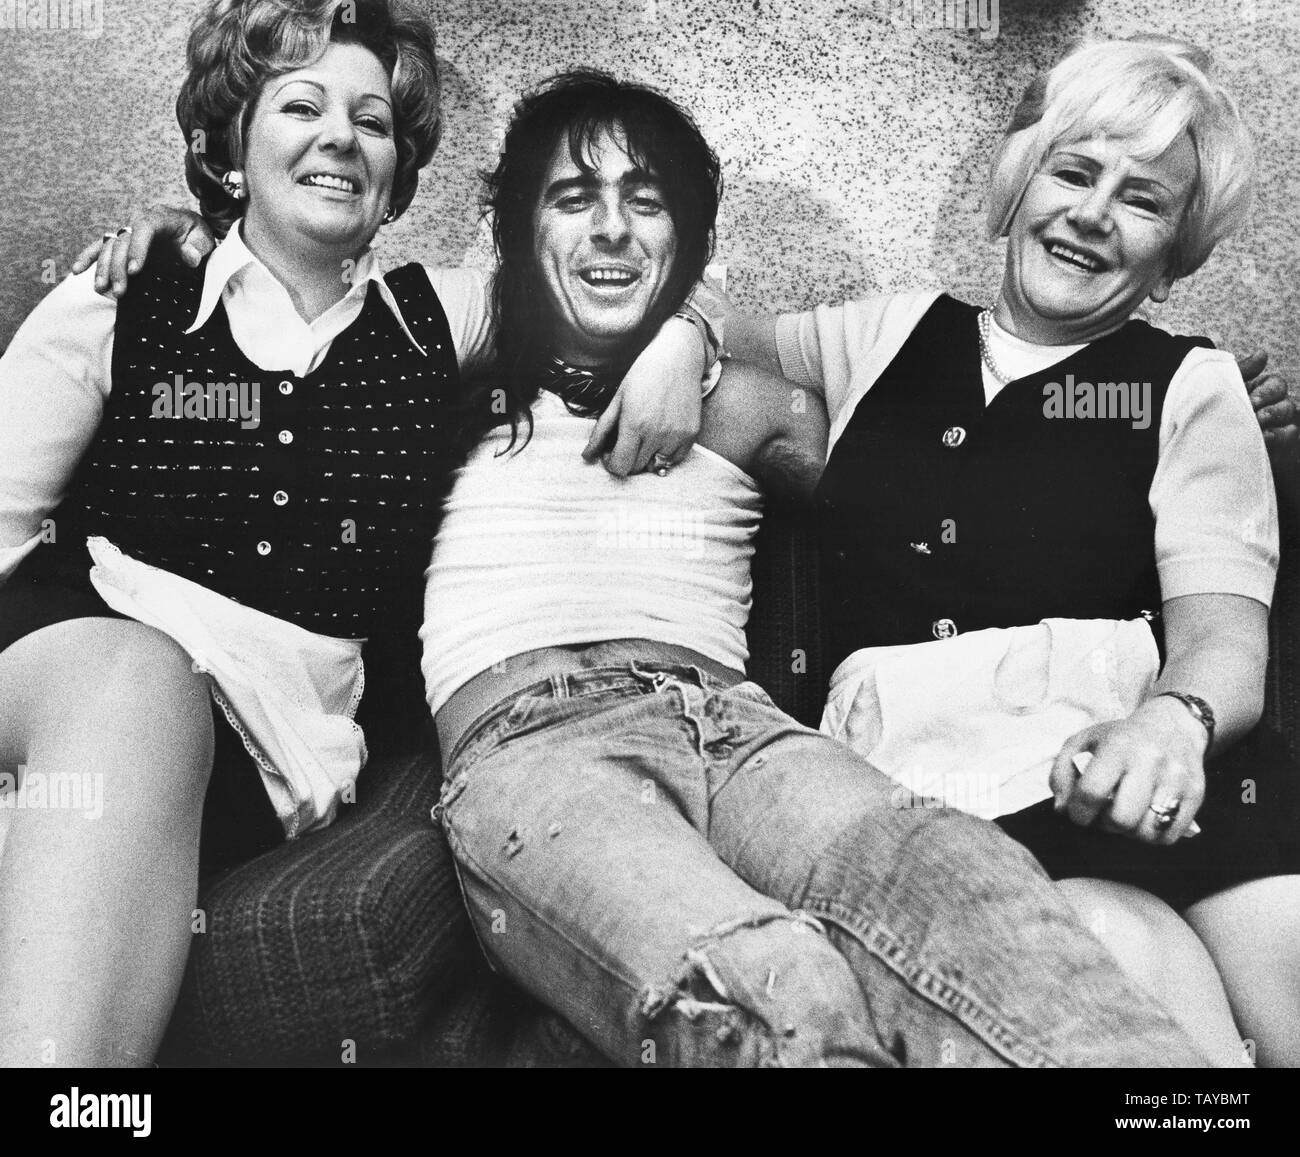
x=589 y=534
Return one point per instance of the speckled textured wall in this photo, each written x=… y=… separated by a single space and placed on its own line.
x=854 y=134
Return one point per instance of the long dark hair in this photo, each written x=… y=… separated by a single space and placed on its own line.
x=661 y=139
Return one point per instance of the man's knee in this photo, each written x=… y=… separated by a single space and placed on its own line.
x=954 y=842
x=767 y=990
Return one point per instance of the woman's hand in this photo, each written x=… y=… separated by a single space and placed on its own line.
x=117 y=256
x=1151 y=759
x=657 y=408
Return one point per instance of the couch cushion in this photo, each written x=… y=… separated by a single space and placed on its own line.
x=490 y=1023
x=350 y=934
x=784 y=633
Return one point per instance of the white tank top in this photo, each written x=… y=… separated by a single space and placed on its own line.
x=541 y=549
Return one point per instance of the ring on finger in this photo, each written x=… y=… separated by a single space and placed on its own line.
x=1166 y=813
x=661 y=464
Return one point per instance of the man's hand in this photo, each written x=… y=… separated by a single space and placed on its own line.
x=657 y=408
x=1151 y=759
x=118 y=256
x=1275 y=409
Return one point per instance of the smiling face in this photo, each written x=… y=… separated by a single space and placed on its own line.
x=1092 y=239
x=605 y=244
x=320 y=154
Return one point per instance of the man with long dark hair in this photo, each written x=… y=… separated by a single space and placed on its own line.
x=645 y=842
x=571 y=112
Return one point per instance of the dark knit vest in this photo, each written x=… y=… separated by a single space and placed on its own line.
x=938 y=515
x=324 y=513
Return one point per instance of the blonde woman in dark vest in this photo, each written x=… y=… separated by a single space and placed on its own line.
x=1049 y=537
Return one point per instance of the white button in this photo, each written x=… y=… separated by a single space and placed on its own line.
x=286 y=436
x=263 y=547
x=943 y=628
x=279 y=498
x=954 y=436
x=286 y=387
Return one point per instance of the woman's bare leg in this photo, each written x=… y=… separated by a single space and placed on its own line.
x=1157 y=948
x=95 y=911
x=1253 y=932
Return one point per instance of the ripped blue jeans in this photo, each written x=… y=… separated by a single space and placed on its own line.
x=690 y=877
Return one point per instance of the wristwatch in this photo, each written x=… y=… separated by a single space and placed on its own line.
x=1201 y=711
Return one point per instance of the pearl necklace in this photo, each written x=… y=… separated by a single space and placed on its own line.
x=986 y=355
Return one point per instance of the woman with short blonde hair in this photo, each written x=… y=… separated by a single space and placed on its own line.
x=1049 y=541
x=1150 y=91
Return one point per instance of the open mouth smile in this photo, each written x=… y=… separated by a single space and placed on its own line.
x=609 y=277
x=1077 y=258
x=330 y=181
